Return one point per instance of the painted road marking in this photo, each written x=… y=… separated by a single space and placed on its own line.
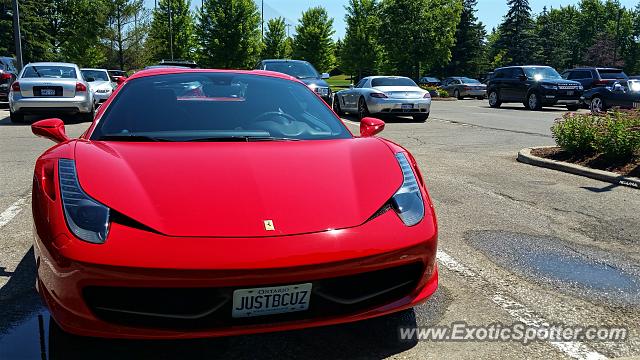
x=518 y=311
x=13 y=210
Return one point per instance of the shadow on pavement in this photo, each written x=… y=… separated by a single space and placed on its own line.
x=67 y=119
x=387 y=119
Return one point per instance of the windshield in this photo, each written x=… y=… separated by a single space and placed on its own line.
x=612 y=74
x=206 y=106
x=469 y=81
x=392 y=82
x=301 y=70
x=97 y=75
x=541 y=73
x=49 y=71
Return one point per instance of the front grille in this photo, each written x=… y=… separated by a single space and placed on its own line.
x=210 y=308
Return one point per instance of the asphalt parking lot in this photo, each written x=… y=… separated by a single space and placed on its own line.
x=518 y=244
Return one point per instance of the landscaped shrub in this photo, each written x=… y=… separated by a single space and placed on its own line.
x=576 y=133
x=435 y=91
x=615 y=135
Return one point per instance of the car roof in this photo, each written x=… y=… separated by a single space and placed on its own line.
x=596 y=68
x=522 y=66
x=283 y=60
x=177 y=70
x=52 y=64
x=387 y=77
x=93 y=69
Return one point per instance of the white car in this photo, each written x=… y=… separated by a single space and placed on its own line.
x=50 y=88
x=100 y=83
x=384 y=95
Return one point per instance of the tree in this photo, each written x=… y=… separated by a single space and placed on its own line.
x=36 y=38
x=517 y=36
x=171 y=31
x=127 y=27
x=467 y=56
x=556 y=32
x=361 y=51
x=602 y=52
x=418 y=34
x=275 y=39
x=228 y=33
x=313 y=41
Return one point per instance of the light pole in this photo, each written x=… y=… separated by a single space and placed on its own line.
x=16 y=34
x=262 y=22
x=171 y=28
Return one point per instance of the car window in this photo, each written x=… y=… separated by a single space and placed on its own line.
x=361 y=83
x=49 y=71
x=580 y=74
x=300 y=70
x=500 y=74
x=470 y=81
x=97 y=75
x=392 y=81
x=541 y=73
x=612 y=74
x=217 y=107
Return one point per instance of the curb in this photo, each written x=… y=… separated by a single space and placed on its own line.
x=443 y=99
x=525 y=156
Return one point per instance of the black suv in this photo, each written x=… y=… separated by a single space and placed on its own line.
x=533 y=86
x=8 y=74
x=304 y=71
x=594 y=77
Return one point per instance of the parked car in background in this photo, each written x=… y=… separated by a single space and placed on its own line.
x=602 y=98
x=100 y=83
x=303 y=71
x=533 y=86
x=50 y=88
x=591 y=77
x=384 y=95
x=430 y=81
x=183 y=63
x=461 y=87
x=117 y=73
x=8 y=74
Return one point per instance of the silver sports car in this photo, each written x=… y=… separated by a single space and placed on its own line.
x=384 y=95
x=50 y=88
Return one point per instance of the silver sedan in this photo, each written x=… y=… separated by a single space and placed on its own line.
x=461 y=87
x=50 y=88
x=384 y=95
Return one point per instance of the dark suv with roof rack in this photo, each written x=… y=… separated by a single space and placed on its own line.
x=303 y=71
x=591 y=77
x=533 y=86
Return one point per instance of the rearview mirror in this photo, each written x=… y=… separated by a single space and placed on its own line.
x=370 y=126
x=52 y=129
x=325 y=76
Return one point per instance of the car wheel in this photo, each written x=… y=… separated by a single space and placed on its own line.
x=336 y=106
x=597 y=105
x=88 y=117
x=533 y=102
x=456 y=94
x=573 y=107
x=363 y=110
x=16 y=117
x=494 y=99
x=421 y=117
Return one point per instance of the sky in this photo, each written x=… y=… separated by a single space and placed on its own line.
x=490 y=12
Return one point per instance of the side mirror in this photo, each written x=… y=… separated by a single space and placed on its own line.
x=325 y=76
x=52 y=129
x=119 y=80
x=370 y=126
x=522 y=77
x=350 y=86
x=618 y=87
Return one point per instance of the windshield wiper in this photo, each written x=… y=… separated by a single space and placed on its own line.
x=137 y=138
x=241 y=139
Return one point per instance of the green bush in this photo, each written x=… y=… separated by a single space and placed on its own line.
x=576 y=133
x=435 y=90
x=615 y=135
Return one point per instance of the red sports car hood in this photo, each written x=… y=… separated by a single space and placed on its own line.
x=231 y=189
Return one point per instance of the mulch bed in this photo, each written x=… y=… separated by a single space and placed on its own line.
x=594 y=161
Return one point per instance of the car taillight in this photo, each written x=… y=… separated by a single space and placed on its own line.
x=80 y=87
x=427 y=95
x=5 y=76
x=378 y=95
x=602 y=82
x=15 y=86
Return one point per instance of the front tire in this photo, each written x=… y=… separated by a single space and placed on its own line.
x=456 y=94
x=421 y=117
x=16 y=118
x=534 y=103
x=597 y=105
x=88 y=117
x=363 y=110
x=494 y=99
x=336 y=106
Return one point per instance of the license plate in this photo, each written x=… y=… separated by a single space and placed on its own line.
x=270 y=300
x=569 y=93
x=47 y=92
x=407 y=106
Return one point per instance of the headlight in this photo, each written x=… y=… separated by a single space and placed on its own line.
x=86 y=218
x=550 y=87
x=322 y=91
x=407 y=201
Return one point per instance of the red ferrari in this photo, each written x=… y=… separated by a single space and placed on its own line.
x=209 y=203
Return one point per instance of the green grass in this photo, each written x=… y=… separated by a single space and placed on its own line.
x=339 y=82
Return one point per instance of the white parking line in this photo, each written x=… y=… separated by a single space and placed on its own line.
x=13 y=210
x=518 y=311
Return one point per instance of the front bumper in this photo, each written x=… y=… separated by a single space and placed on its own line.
x=101 y=97
x=78 y=104
x=561 y=97
x=68 y=267
x=398 y=106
